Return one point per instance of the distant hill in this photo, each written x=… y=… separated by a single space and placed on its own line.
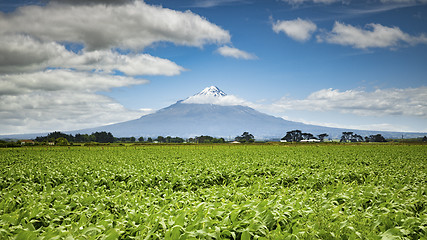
x=187 y=118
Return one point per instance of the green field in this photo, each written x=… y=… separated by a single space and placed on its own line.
x=214 y=192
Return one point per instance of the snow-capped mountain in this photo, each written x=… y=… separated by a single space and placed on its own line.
x=214 y=95
x=214 y=113
x=211 y=91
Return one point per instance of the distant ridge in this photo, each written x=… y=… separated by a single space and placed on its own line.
x=187 y=118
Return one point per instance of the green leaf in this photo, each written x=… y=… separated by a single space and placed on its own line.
x=246 y=235
x=26 y=235
x=111 y=234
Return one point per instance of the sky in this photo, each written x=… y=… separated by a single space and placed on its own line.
x=74 y=64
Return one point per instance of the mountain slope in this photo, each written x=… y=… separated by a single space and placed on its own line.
x=190 y=120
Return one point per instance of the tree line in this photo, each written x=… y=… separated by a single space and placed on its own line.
x=59 y=138
x=298 y=136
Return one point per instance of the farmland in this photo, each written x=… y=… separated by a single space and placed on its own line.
x=214 y=192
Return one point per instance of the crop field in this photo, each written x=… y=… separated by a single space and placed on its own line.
x=214 y=192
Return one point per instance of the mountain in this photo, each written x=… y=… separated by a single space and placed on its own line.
x=211 y=91
x=197 y=115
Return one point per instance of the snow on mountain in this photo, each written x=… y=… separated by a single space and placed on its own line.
x=214 y=95
x=212 y=91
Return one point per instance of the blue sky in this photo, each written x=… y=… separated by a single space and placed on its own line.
x=73 y=64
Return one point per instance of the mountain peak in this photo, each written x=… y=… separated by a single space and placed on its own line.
x=212 y=91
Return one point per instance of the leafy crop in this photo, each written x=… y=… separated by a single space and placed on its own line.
x=214 y=192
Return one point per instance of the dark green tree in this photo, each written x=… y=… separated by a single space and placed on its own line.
x=61 y=141
x=55 y=135
x=322 y=136
x=246 y=137
x=160 y=139
x=307 y=136
x=346 y=136
x=103 y=137
x=375 y=138
x=293 y=136
x=351 y=137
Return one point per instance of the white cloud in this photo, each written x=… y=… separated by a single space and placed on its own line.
x=227 y=51
x=42 y=111
x=381 y=102
x=374 y=126
x=298 y=29
x=62 y=79
x=228 y=100
x=374 y=35
x=214 y=3
x=91 y=2
x=298 y=2
x=130 y=64
x=44 y=86
x=20 y=53
x=130 y=26
x=60 y=100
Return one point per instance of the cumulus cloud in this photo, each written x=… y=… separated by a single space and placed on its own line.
x=381 y=102
x=92 y=2
x=130 y=26
x=45 y=85
x=19 y=53
x=60 y=99
x=62 y=79
x=43 y=111
x=374 y=35
x=298 y=29
x=227 y=51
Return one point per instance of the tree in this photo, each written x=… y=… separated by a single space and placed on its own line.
x=424 y=139
x=149 y=140
x=322 y=136
x=103 y=137
x=140 y=139
x=132 y=139
x=84 y=138
x=160 y=139
x=61 y=141
x=293 y=136
x=307 y=136
x=346 y=136
x=203 y=139
x=176 y=140
x=245 y=137
x=350 y=137
x=375 y=138
x=356 y=138
x=51 y=137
